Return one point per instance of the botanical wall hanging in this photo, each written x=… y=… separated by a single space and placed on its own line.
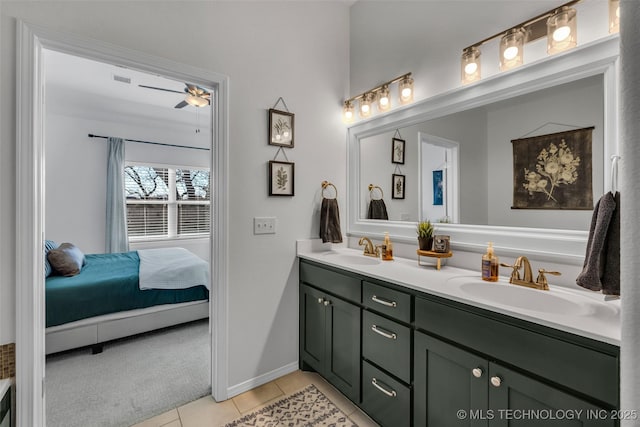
x=553 y=171
x=281 y=178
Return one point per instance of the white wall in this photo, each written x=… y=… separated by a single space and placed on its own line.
x=390 y=38
x=297 y=50
x=76 y=167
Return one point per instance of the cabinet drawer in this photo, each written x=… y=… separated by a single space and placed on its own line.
x=387 y=301
x=386 y=400
x=387 y=344
x=579 y=363
x=339 y=284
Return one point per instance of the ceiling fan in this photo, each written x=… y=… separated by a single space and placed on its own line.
x=195 y=95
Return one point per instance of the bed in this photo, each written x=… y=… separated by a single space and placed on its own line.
x=105 y=300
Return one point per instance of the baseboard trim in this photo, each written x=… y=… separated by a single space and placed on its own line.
x=262 y=379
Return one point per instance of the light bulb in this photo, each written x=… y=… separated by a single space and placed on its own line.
x=278 y=137
x=562 y=33
x=348 y=115
x=285 y=134
x=384 y=101
x=618 y=12
x=510 y=52
x=470 y=68
x=406 y=93
x=364 y=108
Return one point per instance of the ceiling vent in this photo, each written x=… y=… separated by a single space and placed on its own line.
x=122 y=79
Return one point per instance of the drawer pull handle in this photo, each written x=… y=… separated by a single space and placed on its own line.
x=320 y=300
x=327 y=303
x=496 y=381
x=391 y=393
x=384 y=333
x=383 y=301
x=477 y=372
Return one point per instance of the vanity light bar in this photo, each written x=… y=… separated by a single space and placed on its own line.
x=380 y=96
x=559 y=25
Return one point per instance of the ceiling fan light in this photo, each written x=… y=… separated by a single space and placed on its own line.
x=196 y=101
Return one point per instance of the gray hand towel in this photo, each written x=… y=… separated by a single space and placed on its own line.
x=595 y=258
x=330 y=221
x=611 y=277
x=377 y=209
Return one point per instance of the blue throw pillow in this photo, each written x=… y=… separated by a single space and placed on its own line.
x=66 y=259
x=48 y=245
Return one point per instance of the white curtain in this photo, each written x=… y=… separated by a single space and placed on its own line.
x=630 y=205
x=116 y=230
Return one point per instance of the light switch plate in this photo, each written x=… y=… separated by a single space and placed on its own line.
x=264 y=225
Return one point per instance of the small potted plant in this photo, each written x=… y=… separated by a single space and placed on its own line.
x=425 y=235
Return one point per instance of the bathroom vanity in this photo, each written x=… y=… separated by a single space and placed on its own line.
x=413 y=346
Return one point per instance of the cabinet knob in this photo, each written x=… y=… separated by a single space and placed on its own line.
x=327 y=302
x=320 y=300
x=496 y=381
x=477 y=372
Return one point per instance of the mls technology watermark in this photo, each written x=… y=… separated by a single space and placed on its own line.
x=547 y=414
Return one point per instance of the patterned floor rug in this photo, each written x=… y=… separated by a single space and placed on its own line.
x=307 y=407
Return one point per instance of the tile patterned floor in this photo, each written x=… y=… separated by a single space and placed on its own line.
x=206 y=412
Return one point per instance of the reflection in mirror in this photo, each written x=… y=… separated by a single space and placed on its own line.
x=485 y=166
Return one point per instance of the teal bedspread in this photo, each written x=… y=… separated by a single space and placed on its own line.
x=108 y=283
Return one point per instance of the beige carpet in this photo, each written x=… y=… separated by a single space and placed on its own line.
x=307 y=407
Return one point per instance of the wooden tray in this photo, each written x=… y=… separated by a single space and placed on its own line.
x=432 y=254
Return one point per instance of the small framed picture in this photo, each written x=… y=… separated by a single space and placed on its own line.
x=397 y=151
x=397 y=186
x=281 y=178
x=441 y=244
x=280 y=128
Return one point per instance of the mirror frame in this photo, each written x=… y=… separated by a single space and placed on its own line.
x=600 y=57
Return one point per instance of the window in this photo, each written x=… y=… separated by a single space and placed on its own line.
x=166 y=201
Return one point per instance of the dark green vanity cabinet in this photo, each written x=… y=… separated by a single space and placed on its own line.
x=409 y=358
x=557 y=374
x=330 y=327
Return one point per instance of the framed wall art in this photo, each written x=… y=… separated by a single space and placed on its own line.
x=553 y=171
x=397 y=150
x=281 y=178
x=397 y=186
x=281 y=128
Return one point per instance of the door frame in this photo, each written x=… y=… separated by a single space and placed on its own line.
x=30 y=318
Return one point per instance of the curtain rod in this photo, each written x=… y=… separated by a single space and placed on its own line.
x=154 y=143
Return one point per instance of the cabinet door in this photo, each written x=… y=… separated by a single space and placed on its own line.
x=342 y=367
x=448 y=380
x=516 y=400
x=312 y=327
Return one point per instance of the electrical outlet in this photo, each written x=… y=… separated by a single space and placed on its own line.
x=264 y=225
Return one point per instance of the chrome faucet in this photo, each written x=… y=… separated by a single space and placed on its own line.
x=369 y=248
x=527 y=280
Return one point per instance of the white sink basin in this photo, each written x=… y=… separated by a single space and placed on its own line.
x=522 y=297
x=556 y=301
x=352 y=259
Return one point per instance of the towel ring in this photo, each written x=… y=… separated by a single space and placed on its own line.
x=373 y=187
x=326 y=184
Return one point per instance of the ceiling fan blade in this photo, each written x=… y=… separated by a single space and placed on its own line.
x=160 y=88
x=181 y=104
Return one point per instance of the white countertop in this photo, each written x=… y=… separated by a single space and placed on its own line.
x=577 y=311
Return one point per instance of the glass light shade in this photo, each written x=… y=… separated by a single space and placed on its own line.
x=365 y=105
x=196 y=101
x=470 y=65
x=348 y=112
x=511 y=49
x=384 y=99
x=614 y=16
x=562 y=31
x=405 y=88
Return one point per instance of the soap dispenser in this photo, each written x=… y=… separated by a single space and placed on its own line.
x=490 y=265
x=387 y=248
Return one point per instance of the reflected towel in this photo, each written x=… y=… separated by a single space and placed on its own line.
x=602 y=259
x=377 y=209
x=330 y=221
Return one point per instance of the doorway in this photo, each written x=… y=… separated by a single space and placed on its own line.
x=31 y=207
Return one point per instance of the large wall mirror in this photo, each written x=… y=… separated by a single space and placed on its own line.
x=458 y=159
